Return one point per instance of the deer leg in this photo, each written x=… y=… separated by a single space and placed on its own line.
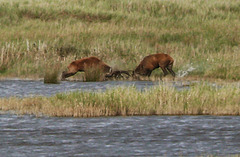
x=164 y=71
x=169 y=68
x=172 y=72
x=149 y=73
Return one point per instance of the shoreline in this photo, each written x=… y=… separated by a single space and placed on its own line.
x=120 y=116
x=152 y=78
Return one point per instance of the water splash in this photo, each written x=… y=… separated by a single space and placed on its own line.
x=188 y=68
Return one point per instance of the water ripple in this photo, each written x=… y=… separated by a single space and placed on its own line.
x=25 y=88
x=119 y=136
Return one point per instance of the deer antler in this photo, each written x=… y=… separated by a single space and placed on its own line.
x=117 y=74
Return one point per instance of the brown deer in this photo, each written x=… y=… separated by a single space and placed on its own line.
x=151 y=62
x=84 y=64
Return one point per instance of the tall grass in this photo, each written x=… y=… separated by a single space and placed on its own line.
x=200 y=99
x=205 y=34
x=93 y=74
x=52 y=73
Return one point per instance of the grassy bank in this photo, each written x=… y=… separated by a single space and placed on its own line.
x=200 y=99
x=203 y=35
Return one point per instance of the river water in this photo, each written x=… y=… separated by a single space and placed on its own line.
x=111 y=136
x=119 y=136
x=23 y=88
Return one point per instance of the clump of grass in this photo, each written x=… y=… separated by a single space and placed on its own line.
x=6 y=57
x=52 y=72
x=93 y=74
x=51 y=77
x=199 y=99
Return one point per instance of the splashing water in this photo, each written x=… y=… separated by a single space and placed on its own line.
x=189 y=68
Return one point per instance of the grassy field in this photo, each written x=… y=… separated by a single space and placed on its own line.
x=41 y=35
x=200 y=99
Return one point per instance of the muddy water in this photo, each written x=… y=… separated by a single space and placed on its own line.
x=119 y=136
x=23 y=88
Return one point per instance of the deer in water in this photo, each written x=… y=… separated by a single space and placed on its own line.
x=151 y=62
x=84 y=64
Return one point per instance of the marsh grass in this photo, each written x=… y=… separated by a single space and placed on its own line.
x=199 y=99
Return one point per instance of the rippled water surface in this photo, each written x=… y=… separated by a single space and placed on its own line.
x=119 y=136
x=31 y=87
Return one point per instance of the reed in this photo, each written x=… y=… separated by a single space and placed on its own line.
x=199 y=99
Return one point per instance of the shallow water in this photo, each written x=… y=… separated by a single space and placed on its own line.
x=119 y=136
x=23 y=88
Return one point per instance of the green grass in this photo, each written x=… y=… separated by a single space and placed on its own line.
x=199 y=99
x=205 y=34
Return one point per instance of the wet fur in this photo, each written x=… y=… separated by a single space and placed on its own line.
x=154 y=61
x=84 y=64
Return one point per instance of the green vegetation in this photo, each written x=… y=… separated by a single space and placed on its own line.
x=203 y=34
x=200 y=99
